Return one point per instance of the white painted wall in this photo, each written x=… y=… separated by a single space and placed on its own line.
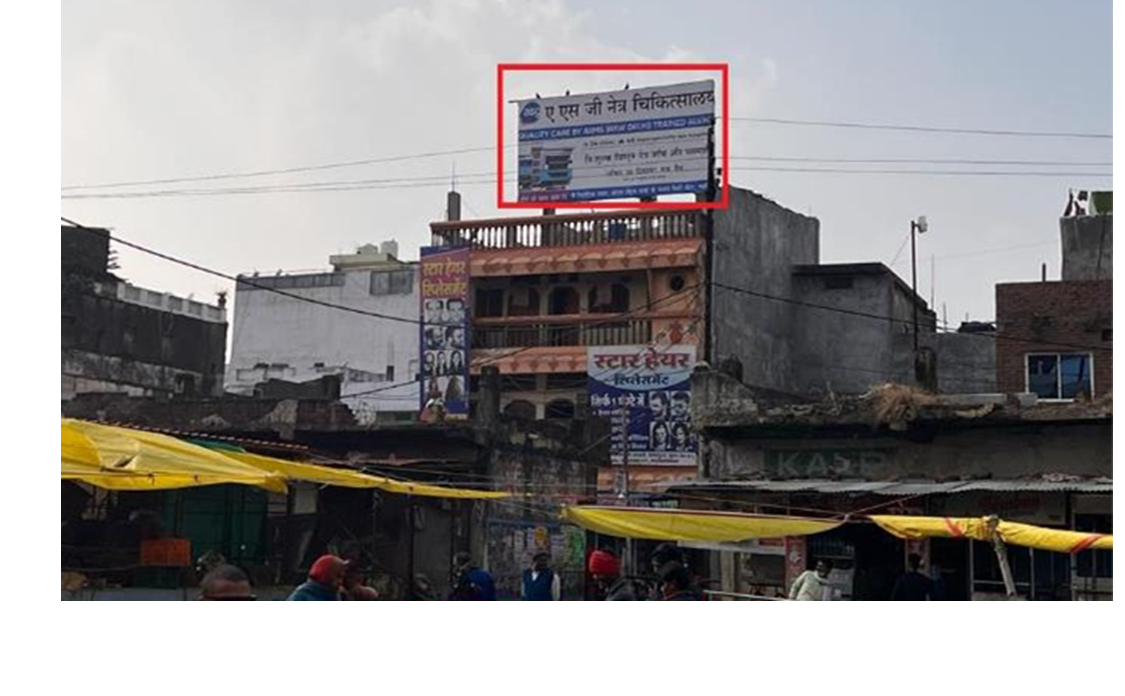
x=301 y=341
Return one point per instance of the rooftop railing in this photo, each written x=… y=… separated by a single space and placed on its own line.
x=569 y=230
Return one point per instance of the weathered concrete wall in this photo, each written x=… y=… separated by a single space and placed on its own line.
x=839 y=352
x=1002 y=452
x=1087 y=247
x=278 y=337
x=849 y=350
x=966 y=363
x=757 y=243
x=139 y=341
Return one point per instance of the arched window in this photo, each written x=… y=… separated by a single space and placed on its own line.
x=523 y=302
x=560 y=408
x=523 y=410
x=613 y=301
x=563 y=300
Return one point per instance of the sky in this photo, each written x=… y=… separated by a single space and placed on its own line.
x=160 y=89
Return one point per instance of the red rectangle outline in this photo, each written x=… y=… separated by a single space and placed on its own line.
x=724 y=200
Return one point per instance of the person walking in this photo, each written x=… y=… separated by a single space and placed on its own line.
x=540 y=582
x=812 y=585
x=605 y=570
x=676 y=584
x=471 y=583
x=325 y=579
x=913 y=586
x=226 y=582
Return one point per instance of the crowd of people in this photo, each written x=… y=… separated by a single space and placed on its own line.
x=331 y=578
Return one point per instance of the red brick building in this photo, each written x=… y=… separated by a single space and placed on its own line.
x=1055 y=338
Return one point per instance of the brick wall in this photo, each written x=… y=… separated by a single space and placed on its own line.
x=1053 y=317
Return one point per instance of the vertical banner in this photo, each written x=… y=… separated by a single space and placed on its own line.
x=444 y=346
x=645 y=393
x=796 y=559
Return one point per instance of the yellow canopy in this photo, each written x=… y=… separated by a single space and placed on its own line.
x=126 y=459
x=1014 y=533
x=690 y=525
x=300 y=471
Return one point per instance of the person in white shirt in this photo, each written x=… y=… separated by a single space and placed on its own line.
x=813 y=585
x=540 y=583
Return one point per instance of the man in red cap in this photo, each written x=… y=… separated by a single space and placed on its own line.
x=325 y=579
x=605 y=569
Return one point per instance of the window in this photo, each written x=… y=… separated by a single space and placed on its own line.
x=523 y=302
x=489 y=302
x=839 y=283
x=613 y=299
x=520 y=410
x=1060 y=376
x=563 y=300
x=399 y=282
x=560 y=408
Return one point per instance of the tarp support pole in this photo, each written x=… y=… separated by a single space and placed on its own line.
x=1001 y=556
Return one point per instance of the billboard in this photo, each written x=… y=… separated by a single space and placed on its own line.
x=445 y=310
x=634 y=143
x=645 y=393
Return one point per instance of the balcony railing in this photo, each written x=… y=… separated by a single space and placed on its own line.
x=569 y=230
x=540 y=334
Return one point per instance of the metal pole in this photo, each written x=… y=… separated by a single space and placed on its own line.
x=1001 y=556
x=410 y=547
x=914 y=281
x=709 y=241
x=625 y=482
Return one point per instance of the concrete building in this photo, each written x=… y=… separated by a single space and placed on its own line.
x=1056 y=337
x=117 y=337
x=548 y=288
x=279 y=337
x=900 y=451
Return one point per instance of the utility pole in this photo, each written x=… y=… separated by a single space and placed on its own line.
x=918 y=226
x=625 y=479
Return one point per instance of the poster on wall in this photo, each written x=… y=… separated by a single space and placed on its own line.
x=645 y=394
x=444 y=369
x=624 y=144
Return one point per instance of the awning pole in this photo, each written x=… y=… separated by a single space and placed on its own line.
x=1001 y=555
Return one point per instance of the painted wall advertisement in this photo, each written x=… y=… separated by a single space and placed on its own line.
x=645 y=393
x=445 y=328
x=624 y=144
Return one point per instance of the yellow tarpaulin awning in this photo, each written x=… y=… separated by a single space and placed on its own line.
x=690 y=525
x=125 y=459
x=301 y=471
x=1014 y=533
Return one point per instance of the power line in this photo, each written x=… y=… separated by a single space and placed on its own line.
x=288 y=170
x=442 y=182
x=895 y=320
x=912 y=160
x=244 y=281
x=923 y=129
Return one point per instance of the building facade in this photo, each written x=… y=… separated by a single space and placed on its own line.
x=118 y=337
x=278 y=337
x=901 y=451
x=1055 y=338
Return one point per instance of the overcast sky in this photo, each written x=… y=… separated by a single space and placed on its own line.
x=159 y=89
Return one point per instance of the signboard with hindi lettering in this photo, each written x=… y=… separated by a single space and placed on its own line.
x=445 y=329
x=634 y=143
x=645 y=394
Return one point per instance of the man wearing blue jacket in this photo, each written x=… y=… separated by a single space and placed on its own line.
x=540 y=582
